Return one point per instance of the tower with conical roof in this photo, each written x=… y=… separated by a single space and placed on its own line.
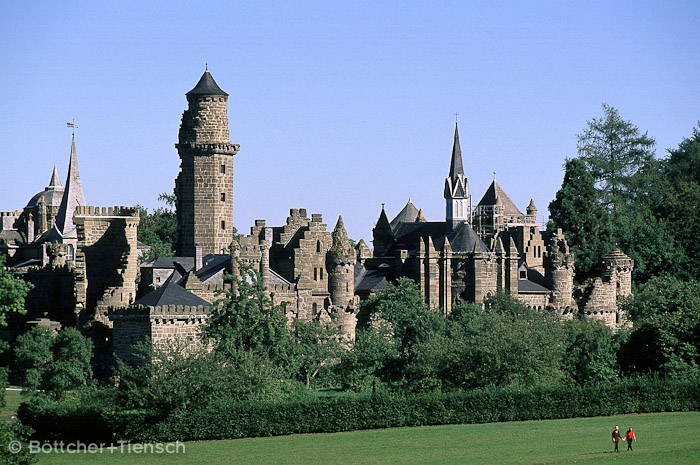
x=204 y=186
x=382 y=234
x=457 y=198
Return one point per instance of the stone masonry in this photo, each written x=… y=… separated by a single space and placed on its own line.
x=204 y=186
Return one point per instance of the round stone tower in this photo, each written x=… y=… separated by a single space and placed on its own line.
x=559 y=266
x=617 y=267
x=204 y=186
x=341 y=267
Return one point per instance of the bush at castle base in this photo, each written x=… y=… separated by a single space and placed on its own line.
x=229 y=420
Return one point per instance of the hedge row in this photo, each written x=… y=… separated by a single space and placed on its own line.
x=230 y=420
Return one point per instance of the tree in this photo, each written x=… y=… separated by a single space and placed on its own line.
x=590 y=353
x=583 y=220
x=173 y=377
x=56 y=363
x=666 y=335
x=679 y=209
x=33 y=355
x=71 y=367
x=248 y=320
x=504 y=344
x=315 y=345
x=158 y=229
x=13 y=291
x=614 y=152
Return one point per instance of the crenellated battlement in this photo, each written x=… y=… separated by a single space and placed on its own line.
x=179 y=312
x=119 y=211
x=13 y=214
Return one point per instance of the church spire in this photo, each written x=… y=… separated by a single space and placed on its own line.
x=72 y=195
x=456 y=168
x=457 y=198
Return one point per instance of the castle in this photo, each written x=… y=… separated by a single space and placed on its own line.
x=83 y=260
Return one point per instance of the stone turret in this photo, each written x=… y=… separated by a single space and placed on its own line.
x=204 y=186
x=457 y=198
x=531 y=212
x=341 y=267
x=617 y=267
x=559 y=266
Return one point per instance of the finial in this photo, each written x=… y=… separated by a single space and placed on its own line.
x=456 y=114
x=494 y=176
x=382 y=205
x=206 y=67
x=73 y=126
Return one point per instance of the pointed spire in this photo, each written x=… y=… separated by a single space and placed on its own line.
x=456 y=167
x=420 y=218
x=55 y=178
x=341 y=245
x=72 y=195
x=383 y=222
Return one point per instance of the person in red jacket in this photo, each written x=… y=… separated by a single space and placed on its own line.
x=616 y=437
x=630 y=437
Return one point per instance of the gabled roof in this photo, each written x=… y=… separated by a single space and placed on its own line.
x=206 y=86
x=496 y=193
x=276 y=278
x=214 y=264
x=184 y=264
x=170 y=293
x=408 y=214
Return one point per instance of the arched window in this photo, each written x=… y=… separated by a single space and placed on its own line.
x=318 y=246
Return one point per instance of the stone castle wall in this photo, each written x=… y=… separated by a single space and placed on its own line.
x=106 y=261
x=161 y=324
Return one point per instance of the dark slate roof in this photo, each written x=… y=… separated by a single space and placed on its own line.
x=525 y=285
x=277 y=279
x=182 y=264
x=496 y=191
x=213 y=264
x=456 y=167
x=9 y=236
x=408 y=214
x=206 y=86
x=370 y=280
x=171 y=293
x=463 y=239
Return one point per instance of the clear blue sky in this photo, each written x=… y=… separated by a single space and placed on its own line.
x=338 y=106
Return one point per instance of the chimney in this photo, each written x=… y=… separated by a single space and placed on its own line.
x=30 y=229
x=197 y=257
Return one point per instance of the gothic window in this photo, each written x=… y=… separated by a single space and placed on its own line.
x=314 y=308
x=321 y=272
x=318 y=246
x=315 y=275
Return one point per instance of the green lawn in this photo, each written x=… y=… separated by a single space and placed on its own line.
x=12 y=401
x=662 y=438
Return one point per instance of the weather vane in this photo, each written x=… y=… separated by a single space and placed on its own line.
x=456 y=114
x=72 y=126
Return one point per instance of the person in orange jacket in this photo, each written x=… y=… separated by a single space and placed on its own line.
x=630 y=438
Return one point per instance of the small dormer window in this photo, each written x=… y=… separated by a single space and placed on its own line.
x=523 y=274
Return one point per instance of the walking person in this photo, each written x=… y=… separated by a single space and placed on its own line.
x=616 y=437
x=630 y=437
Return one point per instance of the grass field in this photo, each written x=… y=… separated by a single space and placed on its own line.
x=662 y=438
x=12 y=401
